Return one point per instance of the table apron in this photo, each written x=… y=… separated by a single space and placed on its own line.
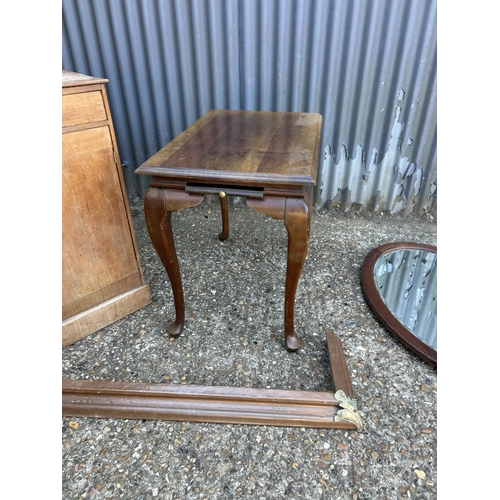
x=230 y=191
x=257 y=192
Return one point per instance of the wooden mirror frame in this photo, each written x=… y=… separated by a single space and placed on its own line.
x=379 y=308
x=220 y=404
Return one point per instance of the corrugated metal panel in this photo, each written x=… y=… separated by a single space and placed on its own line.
x=368 y=66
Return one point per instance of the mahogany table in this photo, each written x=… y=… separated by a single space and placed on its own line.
x=269 y=158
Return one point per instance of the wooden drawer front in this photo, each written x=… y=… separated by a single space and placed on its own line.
x=86 y=107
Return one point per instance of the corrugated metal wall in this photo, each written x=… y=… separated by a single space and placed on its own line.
x=368 y=66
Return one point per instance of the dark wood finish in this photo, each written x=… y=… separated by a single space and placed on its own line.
x=256 y=148
x=338 y=364
x=158 y=207
x=232 y=191
x=298 y=224
x=201 y=404
x=270 y=158
x=102 y=279
x=296 y=213
x=223 y=235
x=383 y=313
x=221 y=404
x=272 y=206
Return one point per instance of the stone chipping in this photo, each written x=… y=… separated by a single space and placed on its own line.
x=234 y=336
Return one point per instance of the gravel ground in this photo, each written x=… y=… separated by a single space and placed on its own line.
x=233 y=336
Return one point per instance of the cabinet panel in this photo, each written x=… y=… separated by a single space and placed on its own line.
x=102 y=279
x=87 y=141
x=98 y=256
x=82 y=108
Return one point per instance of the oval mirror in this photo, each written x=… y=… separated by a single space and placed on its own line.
x=399 y=281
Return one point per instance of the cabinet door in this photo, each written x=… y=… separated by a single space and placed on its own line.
x=99 y=258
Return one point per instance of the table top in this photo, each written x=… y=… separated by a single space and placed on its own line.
x=258 y=148
x=72 y=79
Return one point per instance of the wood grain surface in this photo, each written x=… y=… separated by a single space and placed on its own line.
x=221 y=404
x=262 y=148
x=99 y=259
x=102 y=279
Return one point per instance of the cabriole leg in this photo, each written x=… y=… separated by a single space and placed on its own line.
x=296 y=213
x=225 y=216
x=298 y=224
x=158 y=207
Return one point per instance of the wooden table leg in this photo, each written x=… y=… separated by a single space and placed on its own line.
x=225 y=216
x=296 y=213
x=298 y=224
x=158 y=207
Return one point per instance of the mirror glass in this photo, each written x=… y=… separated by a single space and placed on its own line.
x=400 y=284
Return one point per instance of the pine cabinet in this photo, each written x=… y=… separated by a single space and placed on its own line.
x=102 y=278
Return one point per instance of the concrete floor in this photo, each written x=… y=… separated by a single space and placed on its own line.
x=233 y=336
